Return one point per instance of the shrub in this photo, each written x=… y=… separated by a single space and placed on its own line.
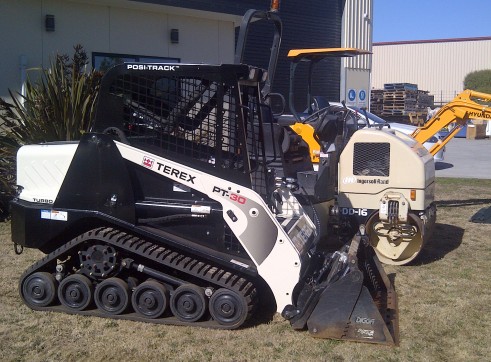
x=59 y=105
x=478 y=81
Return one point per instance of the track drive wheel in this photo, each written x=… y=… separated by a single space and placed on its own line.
x=390 y=247
x=76 y=292
x=112 y=296
x=150 y=299
x=39 y=290
x=188 y=303
x=228 y=308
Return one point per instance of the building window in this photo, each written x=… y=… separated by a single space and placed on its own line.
x=104 y=61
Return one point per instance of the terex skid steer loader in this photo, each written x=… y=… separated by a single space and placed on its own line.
x=168 y=212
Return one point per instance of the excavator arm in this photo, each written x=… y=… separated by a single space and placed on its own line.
x=463 y=107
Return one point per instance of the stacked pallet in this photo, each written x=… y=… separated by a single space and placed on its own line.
x=425 y=100
x=399 y=99
x=377 y=101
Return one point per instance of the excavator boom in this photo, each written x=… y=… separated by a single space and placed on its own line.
x=463 y=107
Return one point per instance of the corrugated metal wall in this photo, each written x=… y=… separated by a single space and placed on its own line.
x=438 y=66
x=218 y=6
x=357 y=32
x=317 y=25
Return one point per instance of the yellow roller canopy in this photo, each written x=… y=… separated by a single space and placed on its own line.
x=319 y=53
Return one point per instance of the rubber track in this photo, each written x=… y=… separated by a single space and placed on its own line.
x=208 y=273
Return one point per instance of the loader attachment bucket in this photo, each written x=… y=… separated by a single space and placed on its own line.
x=349 y=297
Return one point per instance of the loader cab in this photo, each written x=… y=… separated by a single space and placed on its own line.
x=190 y=111
x=207 y=118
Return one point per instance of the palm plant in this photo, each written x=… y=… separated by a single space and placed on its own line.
x=58 y=105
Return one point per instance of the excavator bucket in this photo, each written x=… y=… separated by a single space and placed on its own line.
x=348 y=297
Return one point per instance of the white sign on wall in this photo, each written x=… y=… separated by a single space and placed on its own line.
x=357 y=85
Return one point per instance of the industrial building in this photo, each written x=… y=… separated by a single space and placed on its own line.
x=194 y=31
x=438 y=66
x=199 y=31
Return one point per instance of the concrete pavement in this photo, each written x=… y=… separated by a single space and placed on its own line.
x=466 y=158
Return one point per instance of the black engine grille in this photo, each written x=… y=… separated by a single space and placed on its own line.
x=371 y=159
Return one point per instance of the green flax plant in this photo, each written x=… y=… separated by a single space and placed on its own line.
x=58 y=105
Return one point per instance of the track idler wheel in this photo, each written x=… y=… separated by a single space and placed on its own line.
x=188 y=303
x=112 y=296
x=393 y=247
x=228 y=308
x=39 y=290
x=150 y=299
x=98 y=261
x=76 y=292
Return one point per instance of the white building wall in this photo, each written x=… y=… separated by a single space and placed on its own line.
x=107 y=26
x=356 y=33
x=435 y=66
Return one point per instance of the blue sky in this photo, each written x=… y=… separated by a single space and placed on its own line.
x=397 y=20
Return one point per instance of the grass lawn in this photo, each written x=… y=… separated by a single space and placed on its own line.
x=444 y=301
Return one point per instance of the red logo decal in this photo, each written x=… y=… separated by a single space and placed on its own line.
x=148 y=162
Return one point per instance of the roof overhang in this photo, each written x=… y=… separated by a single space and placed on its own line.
x=154 y=6
x=298 y=55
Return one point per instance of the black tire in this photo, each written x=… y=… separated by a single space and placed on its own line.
x=76 y=292
x=228 y=308
x=150 y=299
x=39 y=290
x=188 y=303
x=112 y=296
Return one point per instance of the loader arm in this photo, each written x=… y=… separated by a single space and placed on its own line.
x=462 y=108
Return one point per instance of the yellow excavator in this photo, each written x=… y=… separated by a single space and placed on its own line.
x=467 y=105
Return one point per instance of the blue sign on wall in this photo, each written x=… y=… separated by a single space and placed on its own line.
x=351 y=95
x=362 y=95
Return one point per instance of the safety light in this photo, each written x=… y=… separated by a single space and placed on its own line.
x=275 y=5
x=413 y=195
